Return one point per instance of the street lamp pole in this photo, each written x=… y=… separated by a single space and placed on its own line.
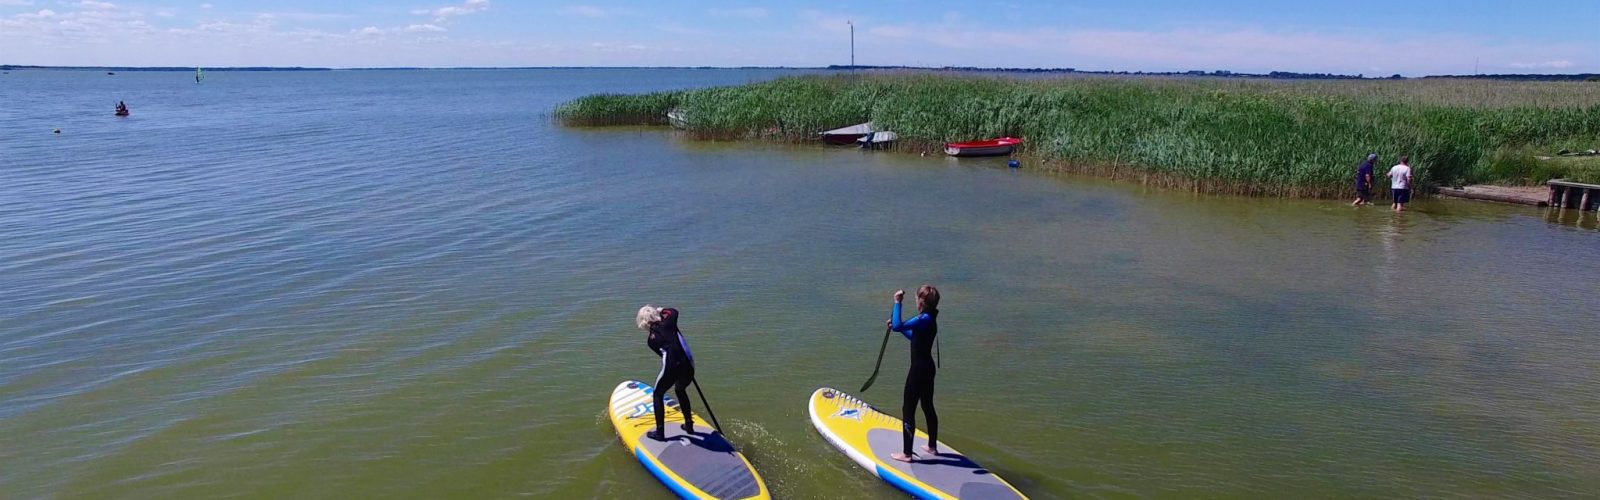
x=852 y=44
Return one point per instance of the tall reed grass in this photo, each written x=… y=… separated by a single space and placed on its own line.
x=1213 y=135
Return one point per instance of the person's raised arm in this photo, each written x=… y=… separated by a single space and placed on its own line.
x=906 y=327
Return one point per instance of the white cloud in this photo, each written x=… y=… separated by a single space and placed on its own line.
x=443 y=14
x=368 y=31
x=1241 y=49
x=679 y=29
x=424 y=28
x=829 y=22
x=205 y=6
x=91 y=4
x=745 y=12
x=306 y=16
x=15 y=3
x=591 y=11
x=617 y=47
x=1563 y=64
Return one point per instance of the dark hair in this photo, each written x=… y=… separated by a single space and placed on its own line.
x=1406 y=159
x=929 y=296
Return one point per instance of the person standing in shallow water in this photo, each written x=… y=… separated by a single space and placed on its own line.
x=1364 y=181
x=1400 y=183
x=921 y=330
x=677 y=364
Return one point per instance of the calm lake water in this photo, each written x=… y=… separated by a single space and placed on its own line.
x=357 y=284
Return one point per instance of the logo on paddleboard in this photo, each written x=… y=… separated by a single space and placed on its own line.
x=850 y=413
x=649 y=407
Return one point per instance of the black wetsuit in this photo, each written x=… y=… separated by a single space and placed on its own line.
x=921 y=330
x=677 y=367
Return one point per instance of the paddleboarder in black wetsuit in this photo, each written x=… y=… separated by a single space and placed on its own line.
x=921 y=331
x=677 y=364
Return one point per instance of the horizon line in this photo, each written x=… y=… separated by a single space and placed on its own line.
x=836 y=67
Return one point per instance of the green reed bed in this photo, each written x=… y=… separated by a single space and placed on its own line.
x=1212 y=135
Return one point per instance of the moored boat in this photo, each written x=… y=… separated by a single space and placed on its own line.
x=677 y=119
x=845 y=136
x=877 y=139
x=992 y=147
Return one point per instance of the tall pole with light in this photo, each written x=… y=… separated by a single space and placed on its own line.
x=852 y=44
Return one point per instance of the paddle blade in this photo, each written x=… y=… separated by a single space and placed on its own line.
x=870 y=380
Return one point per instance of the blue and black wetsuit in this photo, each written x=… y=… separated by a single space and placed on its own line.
x=921 y=331
x=677 y=366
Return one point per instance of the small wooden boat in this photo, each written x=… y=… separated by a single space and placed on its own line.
x=992 y=147
x=847 y=135
x=877 y=139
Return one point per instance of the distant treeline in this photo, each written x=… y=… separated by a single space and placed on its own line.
x=1218 y=73
x=1282 y=75
x=1578 y=77
x=1278 y=75
x=8 y=67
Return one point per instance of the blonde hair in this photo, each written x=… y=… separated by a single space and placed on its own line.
x=647 y=315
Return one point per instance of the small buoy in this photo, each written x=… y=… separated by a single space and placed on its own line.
x=1014 y=163
x=57 y=131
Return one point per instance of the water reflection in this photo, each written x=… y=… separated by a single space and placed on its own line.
x=1573 y=218
x=1390 y=234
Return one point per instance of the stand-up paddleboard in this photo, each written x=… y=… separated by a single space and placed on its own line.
x=697 y=466
x=868 y=436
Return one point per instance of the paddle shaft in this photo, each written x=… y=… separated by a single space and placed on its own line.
x=879 y=365
x=709 y=411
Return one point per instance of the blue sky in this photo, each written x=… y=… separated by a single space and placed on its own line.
x=1355 y=36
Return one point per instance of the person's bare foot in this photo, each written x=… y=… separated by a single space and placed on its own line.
x=901 y=457
x=930 y=451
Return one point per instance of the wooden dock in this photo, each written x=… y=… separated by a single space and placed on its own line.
x=1566 y=194
x=1520 y=195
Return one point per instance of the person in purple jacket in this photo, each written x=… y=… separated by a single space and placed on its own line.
x=1364 y=181
x=921 y=330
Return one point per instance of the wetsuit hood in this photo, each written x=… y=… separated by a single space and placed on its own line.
x=669 y=319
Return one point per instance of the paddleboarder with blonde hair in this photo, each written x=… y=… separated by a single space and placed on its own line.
x=677 y=363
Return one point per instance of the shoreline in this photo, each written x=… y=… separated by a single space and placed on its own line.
x=1256 y=138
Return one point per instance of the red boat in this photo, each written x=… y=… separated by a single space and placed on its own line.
x=992 y=147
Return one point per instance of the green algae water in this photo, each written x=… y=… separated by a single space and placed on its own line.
x=413 y=284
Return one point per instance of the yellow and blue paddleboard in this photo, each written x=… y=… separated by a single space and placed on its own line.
x=868 y=436
x=698 y=466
